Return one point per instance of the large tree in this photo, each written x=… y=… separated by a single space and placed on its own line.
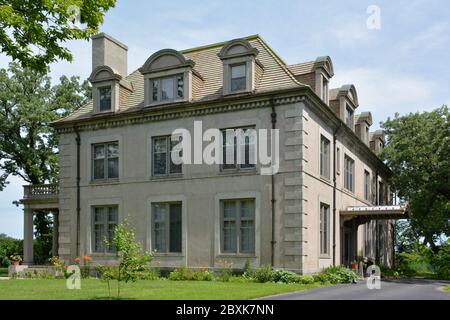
x=28 y=146
x=418 y=152
x=32 y=32
x=28 y=103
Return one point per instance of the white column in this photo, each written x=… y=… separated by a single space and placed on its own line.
x=28 y=236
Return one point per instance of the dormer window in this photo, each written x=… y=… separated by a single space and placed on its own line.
x=167 y=89
x=105 y=98
x=238 y=77
x=239 y=65
x=349 y=117
x=106 y=87
x=168 y=77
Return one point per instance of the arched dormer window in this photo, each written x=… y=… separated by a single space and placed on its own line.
x=106 y=84
x=323 y=73
x=238 y=58
x=168 y=78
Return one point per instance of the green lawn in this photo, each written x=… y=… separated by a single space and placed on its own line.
x=35 y=289
x=447 y=288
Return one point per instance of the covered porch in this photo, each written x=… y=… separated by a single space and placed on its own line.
x=352 y=217
x=39 y=199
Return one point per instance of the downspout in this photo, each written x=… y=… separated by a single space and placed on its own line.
x=377 y=202
x=78 y=209
x=334 y=192
x=273 y=117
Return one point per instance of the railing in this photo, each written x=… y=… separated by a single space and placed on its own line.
x=39 y=191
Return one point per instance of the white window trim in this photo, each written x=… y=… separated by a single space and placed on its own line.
x=250 y=74
x=172 y=258
x=187 y=83
x=86 y=222
x=239 y=259
x=104 y=139
x=114 y=95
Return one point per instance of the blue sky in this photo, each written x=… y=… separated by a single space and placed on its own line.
x=402 y=67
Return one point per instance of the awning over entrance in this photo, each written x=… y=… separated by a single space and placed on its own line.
x=367 y=213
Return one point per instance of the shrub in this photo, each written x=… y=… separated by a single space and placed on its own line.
x=183 y=274
x=226 y=271
x=148 y=274
x=262 y=274
x=417 y=260
x=337 y=275
x=306 y=279
x=441 y=261
x=284 y=276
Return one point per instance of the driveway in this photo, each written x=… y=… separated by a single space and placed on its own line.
x=402 y=289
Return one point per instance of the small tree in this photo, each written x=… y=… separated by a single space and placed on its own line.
x=131 y=256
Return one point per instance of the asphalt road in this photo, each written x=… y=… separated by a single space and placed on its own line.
x=403 y=289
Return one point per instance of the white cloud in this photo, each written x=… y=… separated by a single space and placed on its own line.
x=384 y=92
x=430 y=39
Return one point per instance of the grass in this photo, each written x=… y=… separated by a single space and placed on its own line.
x=447 y=288
x=55 y=289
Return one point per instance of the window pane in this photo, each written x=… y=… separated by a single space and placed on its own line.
x=105 y=98
x=113 y=150
x=229 y=236
x=113 y=215
x=229 y=150
x=99 y=169
x=113 y=168
x=154 y=87
x=175 y=227
x=247 y=209
x=238 y=77
x=175 y=168
x=249 y=139
x=159 y=227
x=229 y=210
x=238 y=71
x=247 y=236
x=180 y=86
x=160 y=155
x=98 y=237
x=99 y=151
x=167 y=89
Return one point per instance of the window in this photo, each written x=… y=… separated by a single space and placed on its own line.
x=324 y=89
x=238 y=77
x=105 y=161
x=366 y=185
x=381 y=193
x=167 y=89
x=105 y=98
x=238 y=148
x=367 y=136
x=349 y=173
x=162 y=160
x=349 y=117
x=338 y=160
x=104 y=221
x=324 y=228
x=238 y=226
x=324 y=157
x=166 y=227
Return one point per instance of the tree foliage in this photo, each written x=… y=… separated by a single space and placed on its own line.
x=8 y=247
x=418 y=152
x=28 y=103
x=32 y=32
x=131 y=258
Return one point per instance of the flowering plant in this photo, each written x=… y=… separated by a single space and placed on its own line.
x=16 y=258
